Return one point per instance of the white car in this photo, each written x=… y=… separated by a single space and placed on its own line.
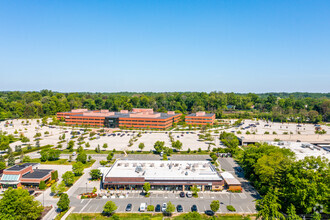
x=143 y=207
x=164 y=206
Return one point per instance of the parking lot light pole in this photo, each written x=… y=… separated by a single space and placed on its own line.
x=86 y=187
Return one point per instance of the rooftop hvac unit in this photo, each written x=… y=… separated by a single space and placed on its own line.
x=186 y=174
x=119 y=165
x=126 y=164
x=134 y=164
x=138 y=169
x=152 y=165
x=161 y=165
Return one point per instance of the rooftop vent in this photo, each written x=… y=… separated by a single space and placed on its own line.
x=138 y=169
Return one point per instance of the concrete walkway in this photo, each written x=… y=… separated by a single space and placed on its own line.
x=67 y=213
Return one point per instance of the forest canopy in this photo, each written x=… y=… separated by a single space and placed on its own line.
x=298 y=107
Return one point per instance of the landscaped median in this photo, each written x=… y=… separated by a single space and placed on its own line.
x=158 y=216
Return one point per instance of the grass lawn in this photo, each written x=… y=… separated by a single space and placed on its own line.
x=130 y=216
x=61 y=162
x=145 y=216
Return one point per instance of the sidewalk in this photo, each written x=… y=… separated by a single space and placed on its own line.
x=67 y=213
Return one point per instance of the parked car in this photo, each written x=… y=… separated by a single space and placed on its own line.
x=74 y=154
x=157 y=209
x=179 y=208
x=194 y=208
x=129 y=207
x=143 y=207
x=189 y=194
x=182 y=195
x=164 y=206
x=209 y=212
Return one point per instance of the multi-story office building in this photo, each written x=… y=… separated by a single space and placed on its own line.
x=137 y=118
x=200 y=118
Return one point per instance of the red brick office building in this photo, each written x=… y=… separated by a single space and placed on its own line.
x=26 y=174
x=137 y=118
x=200 y=118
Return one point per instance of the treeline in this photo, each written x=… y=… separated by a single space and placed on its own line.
x=288 y=187
x=298 y=107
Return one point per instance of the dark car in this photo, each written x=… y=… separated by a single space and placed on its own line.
x=182 y=195
x=209 y=212
x=157 y=209
x=179 y=208
x=194 y=208
x=129 y=207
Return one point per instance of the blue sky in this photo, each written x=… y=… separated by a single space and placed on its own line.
x=112 y=46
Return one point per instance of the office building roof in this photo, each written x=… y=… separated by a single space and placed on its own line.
x=201 y=115
x=36 y=174
x=21 y=166
x=164 y=170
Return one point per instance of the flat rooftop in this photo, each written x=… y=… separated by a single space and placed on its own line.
x=36 y=174
x=164 y=170
x=205 y=115
x=130 y=115
x=21 y=166
x=302 y=149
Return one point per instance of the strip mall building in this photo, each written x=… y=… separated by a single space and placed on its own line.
x=162 y=175
x=137 y=118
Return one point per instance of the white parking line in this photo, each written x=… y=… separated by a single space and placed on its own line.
x=85 y=206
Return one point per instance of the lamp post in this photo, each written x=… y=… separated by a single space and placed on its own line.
x=86 y=187
x=229 y=198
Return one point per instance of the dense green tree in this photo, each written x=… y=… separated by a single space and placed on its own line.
x=146 y=187
x=11 y=160
x=42 y=185
x=141 y=146
x=2 y=165
x=109 y=208
x=68 y=178
x=110 y=156
x=268 y=207
x=95 y=174
x=159 y=146
x=177 y=145
x=215 y=205
x=291 y=213
x=64 y=202
x=19 y=204
x=78 y=168
x=82 y=157
x=70 y=145
x=170 y=207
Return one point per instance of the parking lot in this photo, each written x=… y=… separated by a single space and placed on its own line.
x=243 y=202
